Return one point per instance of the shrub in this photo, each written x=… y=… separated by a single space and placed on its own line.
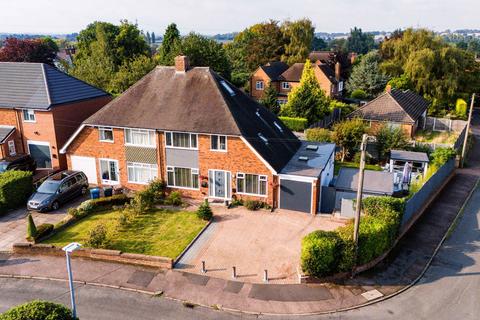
x=15 y=188
x=252 y=205
x=108 y=202
x=441 y=155
x=86 y=207
x=390 y=138
x=318 y=134
x=358 y=94
x=157 y=188
x=294 y=124
x=321 y=252
x=461 y=108
x=97 y=236
x=347 y=257
x=31 y=228
x=43 y=230
x=174 y=199
x=374 y=238
x=38 y=310
x=204 y=211
x=374 y=205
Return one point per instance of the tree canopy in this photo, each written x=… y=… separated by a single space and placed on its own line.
x=299 y=37
x=29 y=50
x=359 y=41
x=171 y=39
x=366 y=76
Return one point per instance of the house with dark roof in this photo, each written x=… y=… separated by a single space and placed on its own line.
x=396 y=108
x=204 y=137
x=285 y=78
x=40 y=108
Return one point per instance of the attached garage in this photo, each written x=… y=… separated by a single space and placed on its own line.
x=87 y=165
x=296 y=195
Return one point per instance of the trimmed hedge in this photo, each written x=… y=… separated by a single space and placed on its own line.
x=374 y=205
x=321 y=253
x=38 y=310
x=15 y=188
x=318 y=134
x=294 y=124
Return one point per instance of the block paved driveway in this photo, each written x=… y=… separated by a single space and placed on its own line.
x=253 y=242
x=13 y=227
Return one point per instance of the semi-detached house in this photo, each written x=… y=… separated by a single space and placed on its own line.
x=204 y=137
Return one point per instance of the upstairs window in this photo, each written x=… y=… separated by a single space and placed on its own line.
x=218 y=143
x=29 y=115
x=105 y=134
x=285 y=85
x=140 y=137
x=181 y=140
x=259 y=85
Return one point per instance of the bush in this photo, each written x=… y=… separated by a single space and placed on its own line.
x=390 y=138
x=294 y=124
x=252 y=205
x=372 y=206
x=318 y=134
x=43 y=230
x=461 y=108
x=38 y=310
x=97 y=237
x=143 y=201
x=358 y=94
x=86 y=207
x=321 y=251
x=441 y=155
x=108 y=202
x=174 y=199
x=204 y=211
x=15 y=188
x=157 y=188
x=31 y=228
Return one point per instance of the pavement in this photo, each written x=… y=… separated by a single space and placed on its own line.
x=273 y=243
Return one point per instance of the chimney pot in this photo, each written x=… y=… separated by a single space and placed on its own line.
x=181 y=64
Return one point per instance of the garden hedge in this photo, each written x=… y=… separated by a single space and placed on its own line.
x=15 y=188
x=321 y=252
x=295 y=124
x=318 y=134
x=38 y=310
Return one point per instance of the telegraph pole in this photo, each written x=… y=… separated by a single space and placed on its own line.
x=358 y=207
x=467 y=129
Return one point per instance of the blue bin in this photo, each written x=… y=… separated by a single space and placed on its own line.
x=94 y=193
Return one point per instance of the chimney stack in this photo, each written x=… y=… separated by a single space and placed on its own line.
x=338 y=69
x=388 y=88
x=181 y=63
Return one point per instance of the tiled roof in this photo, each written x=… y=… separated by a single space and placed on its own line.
x=5 y=131
x=395 y=106
x=40 y=86
x=294 y=73
x=378 y=182
x=274 y=69
x=199 y=101
x=404 y=155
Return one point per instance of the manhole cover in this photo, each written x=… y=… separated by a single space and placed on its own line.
x=372 y=294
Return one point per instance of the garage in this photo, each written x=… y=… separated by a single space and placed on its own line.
x=40 y=152
x=87 y=165
x=296 y=195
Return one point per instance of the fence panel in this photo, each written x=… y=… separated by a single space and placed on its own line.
x=419 y=199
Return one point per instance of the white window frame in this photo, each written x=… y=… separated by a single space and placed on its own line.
x=153 y=171
x=30 y=114
x=228 y=185
x=11 y=148
x=190 y=135
x=192 y=172
x=213 y=136
x=285 y=85
x=151 y=138
x=261 y=177
x=108 y=181
x=340 y=86
x=259 y=85
x=103 y=129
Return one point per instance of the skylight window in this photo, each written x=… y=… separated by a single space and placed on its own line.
x=227 y=87
x=312 y=147
x=261 y=136
x=303 y=158
x=278 y=126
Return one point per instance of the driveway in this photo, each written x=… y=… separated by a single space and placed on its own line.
x=253 y=242
x=13 y=227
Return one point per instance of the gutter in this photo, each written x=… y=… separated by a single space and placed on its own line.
x=72 y=137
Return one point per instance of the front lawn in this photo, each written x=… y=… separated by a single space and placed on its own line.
x=443 y=137
x=346 y=164
x=159 y=232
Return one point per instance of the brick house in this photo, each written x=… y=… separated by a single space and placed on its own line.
x=395 y=108
x=40 y=108
x=204 y=137
x=284 y=78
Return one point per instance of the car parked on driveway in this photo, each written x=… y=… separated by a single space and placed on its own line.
x=22 y=162
x=58 y=189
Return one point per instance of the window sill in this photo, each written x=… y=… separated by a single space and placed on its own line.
x=30 y=121
x=184 y=188
x=107 y=141
x=219 y=150
x=181 y=148
x=140 y=146
x=252 y=194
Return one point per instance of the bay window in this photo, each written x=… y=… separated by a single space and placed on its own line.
x=141 y=173
x=181 y=140
x=182 y=177
x=252 y=184
x=140 y=137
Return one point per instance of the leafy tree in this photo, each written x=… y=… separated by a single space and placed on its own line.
x=38 y=310
x=390 y=138
x=319 y=44
x=358 y=94
x=307 y=100
x=270 y=99
x=130 y=72
x=366 y=75
x=29 y=50
x=299 y=36
x=171 y=38
x=348 y=135
x=359 y=41
x=402 y=82
x=318 y=134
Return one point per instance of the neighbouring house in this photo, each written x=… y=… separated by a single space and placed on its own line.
x=375 y=183
x=284 y=78
x=326 y=56
x=418 y=162
x=40 y=108
x=395 y=108
x=204 y=137
x=65 y=57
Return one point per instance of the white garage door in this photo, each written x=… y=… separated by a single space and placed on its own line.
x=87 y=165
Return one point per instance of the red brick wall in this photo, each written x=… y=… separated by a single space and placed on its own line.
x=259 y=75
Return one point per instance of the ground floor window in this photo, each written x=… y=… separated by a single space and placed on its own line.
x=109 y=171
x=252 y=184
x=141 y=172
x=182 y=177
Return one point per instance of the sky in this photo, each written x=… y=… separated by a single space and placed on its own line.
x=222 y=16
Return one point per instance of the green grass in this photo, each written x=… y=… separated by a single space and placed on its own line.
x=159 y=232
x=346 y=164
x=436 y=136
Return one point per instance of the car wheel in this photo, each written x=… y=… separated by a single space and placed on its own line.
x=55 y=205
x=84 y=191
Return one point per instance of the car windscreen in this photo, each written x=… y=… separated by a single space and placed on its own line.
x=48 y=187
x=3 y=166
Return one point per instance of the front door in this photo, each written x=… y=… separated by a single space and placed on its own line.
x=109 y=171
x=219 y=184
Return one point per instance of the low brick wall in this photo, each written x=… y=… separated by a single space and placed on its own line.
x=96 y=254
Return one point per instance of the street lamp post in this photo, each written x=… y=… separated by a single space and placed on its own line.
x=68 y=250
x=465 y=139
x=358 y=207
